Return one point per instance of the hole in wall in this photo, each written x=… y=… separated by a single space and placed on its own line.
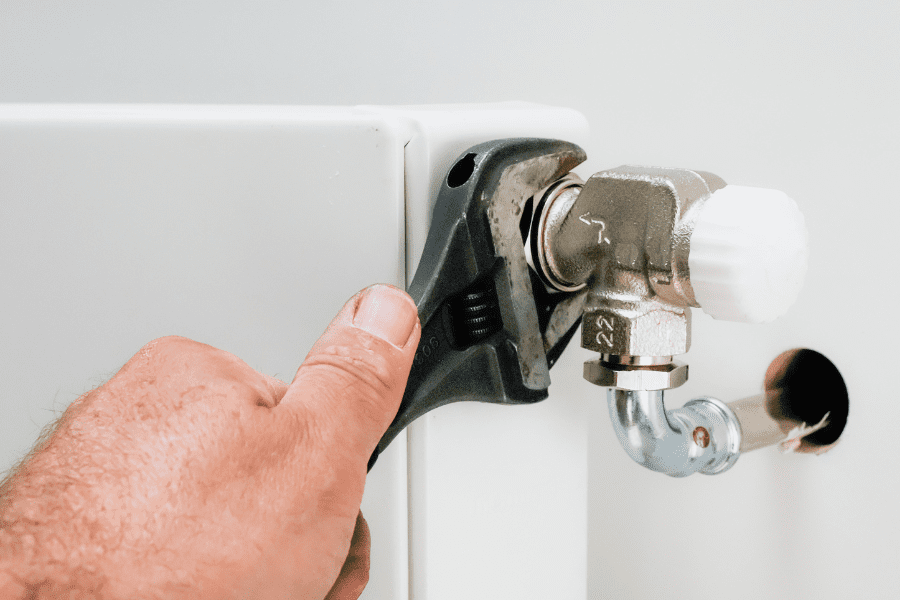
x=807 y=385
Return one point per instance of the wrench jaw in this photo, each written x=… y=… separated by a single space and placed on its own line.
x=490 y=328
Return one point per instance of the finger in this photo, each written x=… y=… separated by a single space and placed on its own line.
x=355 y=572
x=353 y=379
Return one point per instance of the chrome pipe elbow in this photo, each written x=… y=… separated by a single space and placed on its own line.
x=704 y=436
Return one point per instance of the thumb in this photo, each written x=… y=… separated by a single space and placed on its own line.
x=353 y=379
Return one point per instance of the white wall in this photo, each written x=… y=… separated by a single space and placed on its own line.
x=802 y=97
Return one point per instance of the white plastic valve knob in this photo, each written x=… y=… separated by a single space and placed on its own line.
x=748 y=254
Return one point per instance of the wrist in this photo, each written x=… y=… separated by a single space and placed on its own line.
x=19 y=581
x=10 y=587
x=42 y=554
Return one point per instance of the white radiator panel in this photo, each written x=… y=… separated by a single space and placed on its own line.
x=246 y=228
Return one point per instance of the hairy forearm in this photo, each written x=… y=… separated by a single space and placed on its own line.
x=49 y=548
x=92 y=511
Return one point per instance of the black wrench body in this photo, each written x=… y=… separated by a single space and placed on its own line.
x=490 y=328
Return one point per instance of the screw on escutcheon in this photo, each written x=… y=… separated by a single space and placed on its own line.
x=701 y=437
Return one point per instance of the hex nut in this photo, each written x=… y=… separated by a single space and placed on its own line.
x=636 y=378
x=651 y=330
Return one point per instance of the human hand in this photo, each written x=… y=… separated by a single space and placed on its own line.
x=190 y=475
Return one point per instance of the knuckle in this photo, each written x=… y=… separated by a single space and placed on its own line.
x=353 y=376
x=361 y=369
x=186 y=370
x=171 y=345
x=163 y=351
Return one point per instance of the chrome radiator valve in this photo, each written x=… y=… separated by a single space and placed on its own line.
x=650 y=243
x=646 y=245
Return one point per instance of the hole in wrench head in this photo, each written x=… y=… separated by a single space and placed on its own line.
x=461 y=171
